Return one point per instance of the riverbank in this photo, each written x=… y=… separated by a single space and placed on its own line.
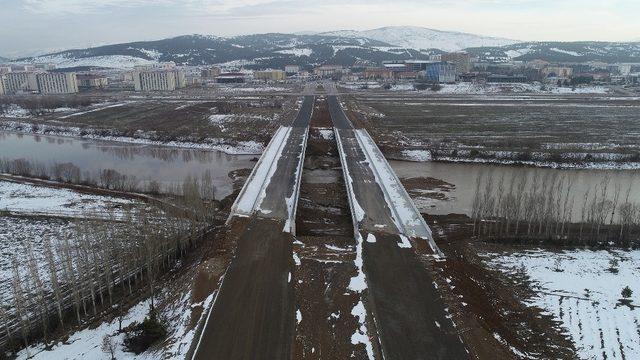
x=141 y=138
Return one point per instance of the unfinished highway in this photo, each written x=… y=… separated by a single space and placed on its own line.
x=252 y=316
x=410 y=318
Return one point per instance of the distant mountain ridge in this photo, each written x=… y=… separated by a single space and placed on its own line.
x=418 y=38
x=369 y=47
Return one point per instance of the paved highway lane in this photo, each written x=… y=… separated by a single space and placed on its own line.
x=252 y=316
x=410 y=316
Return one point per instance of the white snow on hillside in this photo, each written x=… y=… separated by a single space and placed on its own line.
x=422 y=38
x=572 y=53
x=108 y=61
x=296 y=52
x=581 y=291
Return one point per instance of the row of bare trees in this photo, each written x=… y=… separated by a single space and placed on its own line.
x=57 y=284
x=106 y=178
x=549 y=207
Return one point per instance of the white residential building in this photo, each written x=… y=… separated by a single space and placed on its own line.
x=57 y=83
x=181 y=79
x=155 y=80
x=292 y=69
x=3 y=90
x=18 y=81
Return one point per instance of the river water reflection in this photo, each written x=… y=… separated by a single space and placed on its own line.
x=166 y=165
x=463 y=176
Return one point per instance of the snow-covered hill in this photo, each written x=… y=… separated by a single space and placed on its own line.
x=575 y=52
x=346 y=48
x=418 y=38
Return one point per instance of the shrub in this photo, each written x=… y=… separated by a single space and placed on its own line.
x=626 y=292
x=141 y=336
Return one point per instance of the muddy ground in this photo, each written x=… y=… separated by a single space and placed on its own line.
x=486 y=305
x=324 y=253
x=566 y=129
x=164 y=118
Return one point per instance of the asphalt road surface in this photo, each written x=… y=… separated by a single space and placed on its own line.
x=410 y=316
x=282 y=185
x=253 y=313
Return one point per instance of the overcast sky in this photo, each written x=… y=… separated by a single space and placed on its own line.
x=39 y=26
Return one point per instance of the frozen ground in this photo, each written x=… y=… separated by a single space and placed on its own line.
x=16 y=231
x=582 y=290
x=497 y=88
x=87 y=343
x=25 y=199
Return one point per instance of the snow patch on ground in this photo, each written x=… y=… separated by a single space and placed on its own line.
x=358 y=283
x=577 y=288
x=360 y=336
x=326 y=134
x=26 y=199
x=417 y=155
x=15 y=111
x=506 y=88
x=86 y=344
x=96 y=109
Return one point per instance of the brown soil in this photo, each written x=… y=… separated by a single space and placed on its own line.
x=326 y=251
x=492 y=302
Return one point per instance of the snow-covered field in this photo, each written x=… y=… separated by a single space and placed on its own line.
x=471 y=88
x=87 y=343
x=26 y=199
x=582 y=290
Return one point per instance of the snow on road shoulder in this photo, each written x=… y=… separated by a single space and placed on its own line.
x=582 y=290
x=292 y=201
x=407 y=218
x=254 y=189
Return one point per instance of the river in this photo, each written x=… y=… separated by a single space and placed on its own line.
x=166 y=165
x=463 y=177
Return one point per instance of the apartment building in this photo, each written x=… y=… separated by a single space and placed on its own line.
x=57 y=83
x=328 y=70
x=441 y=72
x=461 y=60
x=155 y=80
x=270 y=75
x=3 y=91
x=19 y=81
x=181 y=79
x=91 y=81
x=291 y=69
x=210 y=72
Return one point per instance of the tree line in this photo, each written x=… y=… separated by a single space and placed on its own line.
x=550 y=208
x=109 y=179
x=68 y=280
